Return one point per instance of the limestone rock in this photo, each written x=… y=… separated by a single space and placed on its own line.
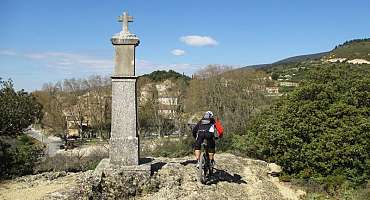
x=172 y=178
x=274 y=169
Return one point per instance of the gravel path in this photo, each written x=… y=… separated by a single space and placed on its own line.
x=53 y=143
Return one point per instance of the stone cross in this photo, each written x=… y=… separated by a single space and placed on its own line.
x=125 y=19
x=124 y=140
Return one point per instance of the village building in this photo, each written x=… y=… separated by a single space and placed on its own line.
x=288 y=84
x=91 y=109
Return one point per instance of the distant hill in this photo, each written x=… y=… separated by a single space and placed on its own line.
x=301 y=58
x=294 y=59
x=161 y=75
x=353 y=49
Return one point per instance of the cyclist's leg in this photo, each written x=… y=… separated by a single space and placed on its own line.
x=198 y=145
x=212 y=149
x=197 y=154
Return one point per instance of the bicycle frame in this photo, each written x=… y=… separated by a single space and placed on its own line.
x=205 y=169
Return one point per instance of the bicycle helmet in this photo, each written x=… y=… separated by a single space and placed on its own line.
x=208 y=115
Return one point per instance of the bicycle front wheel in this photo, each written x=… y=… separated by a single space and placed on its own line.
x=202 y=171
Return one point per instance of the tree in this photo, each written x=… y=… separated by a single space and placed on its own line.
x=321 y=129
x=51 y=100
x=18 y=109
x=81 y=101
x=234 y=96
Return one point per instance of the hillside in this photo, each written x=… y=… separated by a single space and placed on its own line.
x=301 y=58
x=352 y=52
x=353 y=49
x=162 y=75
x=288 y=73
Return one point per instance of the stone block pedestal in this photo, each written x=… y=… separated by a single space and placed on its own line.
x=124 y=141
x=107 y=168
x=127 y=154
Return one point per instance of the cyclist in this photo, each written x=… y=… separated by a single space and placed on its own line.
x=205 y=130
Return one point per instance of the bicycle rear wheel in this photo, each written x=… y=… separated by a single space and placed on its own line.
x=202 y=170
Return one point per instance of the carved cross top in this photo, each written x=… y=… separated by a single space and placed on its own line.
x=125 y=19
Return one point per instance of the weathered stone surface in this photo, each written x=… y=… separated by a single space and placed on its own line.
x=173 y=178
x=124 y=111
x=125 y=60
x=110 y=181
x=125 y=41
x=124 y=142
x=274 y=169
x=124 y=151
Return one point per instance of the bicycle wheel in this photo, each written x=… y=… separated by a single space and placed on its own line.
x=202 y=170
x=210 y=170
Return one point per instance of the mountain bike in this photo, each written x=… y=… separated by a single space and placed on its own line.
x=205 y=169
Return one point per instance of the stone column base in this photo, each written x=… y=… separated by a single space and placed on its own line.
x=107 y=168
x=124 y=151
x=117 y=182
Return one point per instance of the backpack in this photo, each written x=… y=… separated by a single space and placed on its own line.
x=219 y=128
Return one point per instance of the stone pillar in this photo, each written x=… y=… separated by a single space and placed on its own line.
x=124 y=141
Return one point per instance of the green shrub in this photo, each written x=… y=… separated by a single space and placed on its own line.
x=173 y=147
x=183 y=146
x=20 y=159
x=18 y=109
x=319 y=131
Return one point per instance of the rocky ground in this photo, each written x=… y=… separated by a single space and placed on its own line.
x=173 y=178
x=41 y=186
x=234 y=178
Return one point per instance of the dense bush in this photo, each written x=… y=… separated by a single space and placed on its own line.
x=20 y=158
x=173 y=147
x=161 y=75
x=182 y=146
x=320 y=131
x=18 y=152
x=18 y=109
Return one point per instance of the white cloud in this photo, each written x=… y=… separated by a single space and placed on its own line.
x=36 y=56
x=73 y=64
x=143 y=63
x=178 y=52
x=7 y=52
x=198 y=41
x=67 y=61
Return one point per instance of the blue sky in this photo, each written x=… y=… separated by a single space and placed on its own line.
x=45 y=41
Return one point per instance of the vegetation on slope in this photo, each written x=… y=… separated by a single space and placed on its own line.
x=353 y=49
x=18 y=152
x=18 y=109
x=321 y=130
x=161 y=75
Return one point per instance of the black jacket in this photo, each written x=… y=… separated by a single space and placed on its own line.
x=203 y=125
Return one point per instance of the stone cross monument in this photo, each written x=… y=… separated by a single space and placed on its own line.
x=124 y=141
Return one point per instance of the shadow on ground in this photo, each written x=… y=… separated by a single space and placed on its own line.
x=220 y=175
x=189 y=162
x=145 y=160
x=157 y=166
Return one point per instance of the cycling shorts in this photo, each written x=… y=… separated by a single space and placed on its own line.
x=201 y=136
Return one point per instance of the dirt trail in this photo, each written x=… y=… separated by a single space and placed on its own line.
x=38 y=186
